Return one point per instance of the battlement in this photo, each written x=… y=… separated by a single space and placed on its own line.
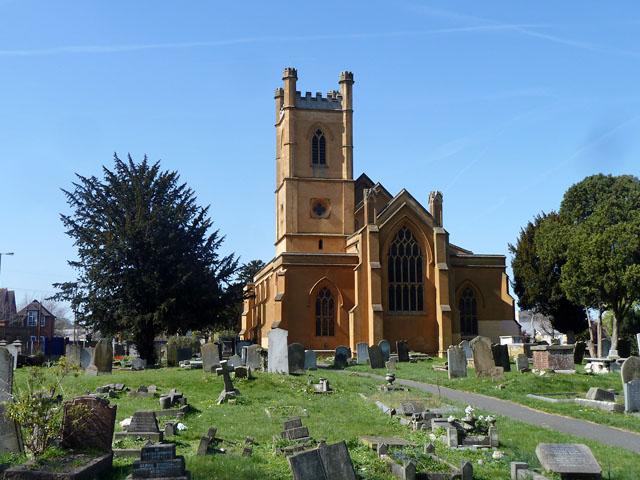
x=333 y=100
x=279 y=92
x=346 y=76
x=290 y=72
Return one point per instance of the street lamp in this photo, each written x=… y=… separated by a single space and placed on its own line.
x=1 y=254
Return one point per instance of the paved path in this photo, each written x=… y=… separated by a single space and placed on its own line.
x=580 y=428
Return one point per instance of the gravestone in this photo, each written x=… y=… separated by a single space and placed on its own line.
x=385 y=348
x=457 y=362
x=15 y=349
x=391 y=364
x=296 y=358
x=482 y=356
x=171 y=354
x=159 y=461
x=600 y=394
x=278 y=353
x=73 y=355
x=606 y=347
x=327 y=462
x=522 y=362
x=402 y=347
x=570 y=460
x=143 y=422
x=102 y=358
x=362 y=352
x=10 y=434
x=376 y=360
x=183 y=353
x=410 y=407
x=88 y=423
x=341 y=356
x=85 y=357
x=252 y=357
x=579 y=350
x=467 y=349
x=210 y=357
x=631 y=392
x=630 y=369
x=234 y=361
x=310 y=360
x=501 y=356
x=6 y=375
x=138 y=363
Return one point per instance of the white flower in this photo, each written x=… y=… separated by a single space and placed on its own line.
x=181 y=426
x=481 y=417
x=451 y=418
x=480 y=462
x=497 y=455
x=469 y=410
x=432 y=436
x=489 y=419
x=126 y=422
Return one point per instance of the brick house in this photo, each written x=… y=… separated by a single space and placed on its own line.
x=38 y=324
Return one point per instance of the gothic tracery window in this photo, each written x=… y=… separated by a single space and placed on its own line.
x=325 y=313
x=318 y=149
x=468 y=313
x=406 y=290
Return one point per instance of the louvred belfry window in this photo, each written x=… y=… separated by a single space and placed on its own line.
x=405 y=277
x=318 y=149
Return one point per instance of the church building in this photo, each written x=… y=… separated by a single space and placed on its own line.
x=354 y=263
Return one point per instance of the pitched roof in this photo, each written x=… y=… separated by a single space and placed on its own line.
x=35 y=305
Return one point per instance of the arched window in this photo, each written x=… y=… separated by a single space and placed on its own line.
x=325 y=313
x=318 y=149
x=406 y=292
x=468 y=313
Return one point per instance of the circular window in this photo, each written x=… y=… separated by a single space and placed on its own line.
x=320 y=207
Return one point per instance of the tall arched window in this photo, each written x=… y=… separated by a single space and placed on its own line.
x=318 y=149
x=468 y=313
x=325 y=313
x=406 y=292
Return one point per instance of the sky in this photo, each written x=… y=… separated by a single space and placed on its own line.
x=500 y=105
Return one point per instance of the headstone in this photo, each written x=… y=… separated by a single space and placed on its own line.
x=631 y=392
x=606 y=346
x=73 y=355
x=376 y=360
x=391 y=364
x=234 y=361
x=184 y=353
x=482 y=356
x=522 y=362
x=6 y=375
x=410 y=407
x=102 y=358
x=341 y=356
x=630 y=369
x=16 y=349
x=402 y=347
x=138 y=363
x=85 y=358
x=310 y=360
x=296 y=358
x=600 y=394
x=252 y=358
x=294 y=422
x=385 y=348
x=278 y=352
x=570 y=460
x=362 y=352
x=10 y=434
x=241 y=371
x=88 y=423
x=143 y=422
x=579 y=350
x=327 y=462
x=467 y=349
x=159 y=461
x=457 y=362
x=501 y=356
x=210 y=357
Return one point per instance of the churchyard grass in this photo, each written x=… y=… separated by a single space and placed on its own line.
x=515 y=386
x=342 y=415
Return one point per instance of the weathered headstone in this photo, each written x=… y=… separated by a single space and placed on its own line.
x=159 y=461
x=402 y=348
x=10 y=434
x=410 y=407
x=143 y=422
x=570 y=460
x=234 y=361
x=252 y=357
x=522 y=362
x=579 y=350
x=600 y=394
x=327 y=462
x=606 y=347
x=73 y=354
x=457 y=362
x=391 y=364
x=85 y=357
x=138 y=363
x=630 y=369
x=296 y=358
x=631 y=392
x=362 y=352
x=376 y=360
x=310 y=360
x=102 y=359
x=482 y=356
x=210 y=357
x=6 y=375
x=385 y=348
x=467 y=349
x=341 y=356
x=88 y=423
x=501 y=356
x=278 y=352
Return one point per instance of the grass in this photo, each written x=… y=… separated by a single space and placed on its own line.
x=343 y=415
x=515 y=386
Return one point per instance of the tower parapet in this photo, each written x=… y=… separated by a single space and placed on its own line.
x=435 y=207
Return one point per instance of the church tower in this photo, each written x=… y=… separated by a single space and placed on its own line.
x=314 y=167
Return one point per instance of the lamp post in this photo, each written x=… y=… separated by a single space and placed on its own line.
x=1 y=254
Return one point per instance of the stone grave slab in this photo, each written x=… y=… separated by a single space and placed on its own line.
x=210 y=357
x=482 y=356
x=310 y=360
x=570 y=460
x=159 y=461
x=85 y=357
x=632 y=396
x=278 y=353
x=522 y=362
x=402 y=348
x=102 y=358
x=362 y=353
x=88 y=423
x=296 y=358
x=10 y=434
x=252 y=357
x=72 y=353
x=376 y=360
x=501 y=356
x=600 y=394
x=341 y=356
x=411 y=407
x=6 y=375
x=457 y=362
x=385 y=348
x=234 y=361
x=606 y=347
x=327 y=462
x=143 y=424
x=579 y=349
x=553 y=357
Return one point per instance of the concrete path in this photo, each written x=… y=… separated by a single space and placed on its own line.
x=580 y=428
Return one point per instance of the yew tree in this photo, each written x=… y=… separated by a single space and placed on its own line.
x=148 y=259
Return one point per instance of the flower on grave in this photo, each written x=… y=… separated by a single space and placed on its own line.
x=126 y=422
x=497 y=455
x=451 y=419
x=481 y=417
x=432 y=437
x=480 y=462
x=490 y=419
x=181 y=427
x=469 y=410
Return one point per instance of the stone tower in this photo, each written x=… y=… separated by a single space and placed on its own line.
x=314 y=167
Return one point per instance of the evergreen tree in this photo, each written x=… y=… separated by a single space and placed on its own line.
x=148 y=260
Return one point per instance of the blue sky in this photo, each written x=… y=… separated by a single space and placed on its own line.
x=501 y=105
